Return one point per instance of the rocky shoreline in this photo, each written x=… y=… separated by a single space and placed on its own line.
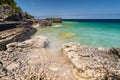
x=31 y=60
x=17 y=34
x=24 y=56
x=89 y=63
x=20 y=53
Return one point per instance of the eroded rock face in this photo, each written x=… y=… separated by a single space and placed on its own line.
x=4 y=10
x=93 y=63
x=10 y=14
x=20 y=33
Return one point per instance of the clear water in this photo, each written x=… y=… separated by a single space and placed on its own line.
x=95 y=34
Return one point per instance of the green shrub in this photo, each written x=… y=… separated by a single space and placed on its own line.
x=11 y=3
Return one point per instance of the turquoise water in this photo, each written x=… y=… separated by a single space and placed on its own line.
x=95 y=34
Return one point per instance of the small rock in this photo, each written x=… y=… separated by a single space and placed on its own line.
x=12 y=66
x=114 y=51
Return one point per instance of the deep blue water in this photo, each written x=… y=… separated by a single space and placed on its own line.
x=94 y=20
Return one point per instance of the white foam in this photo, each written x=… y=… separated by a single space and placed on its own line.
x=57 y=26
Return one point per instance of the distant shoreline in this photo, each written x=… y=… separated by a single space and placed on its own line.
x=94 y=20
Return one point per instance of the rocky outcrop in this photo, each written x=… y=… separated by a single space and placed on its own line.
x=39 y=22
x=7 y=13
x=20 y=33
x=13 y=53
x=30 y=60
x=54 y=20
x=4 y=11
x=11 y=24
x=12 y=60
x=35 y=24
x=44 y=23
x=93 y=63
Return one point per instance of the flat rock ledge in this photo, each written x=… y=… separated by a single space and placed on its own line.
x=18 y=34
x=89 y=63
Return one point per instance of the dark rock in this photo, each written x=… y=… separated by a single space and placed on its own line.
x=44 y=23
x=3 y=72
x=1 y=65
x=54 y=20
x=8 y=25
x=111 y=76
x=114 y=51
x=18 y=16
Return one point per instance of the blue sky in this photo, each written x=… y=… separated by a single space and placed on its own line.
x=80 y=9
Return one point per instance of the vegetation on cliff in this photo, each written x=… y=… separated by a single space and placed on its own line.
x=10 y=11
x=11 y=3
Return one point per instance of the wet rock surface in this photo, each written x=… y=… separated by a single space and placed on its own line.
x=89 y=63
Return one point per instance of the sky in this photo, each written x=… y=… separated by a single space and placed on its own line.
x=72 y=9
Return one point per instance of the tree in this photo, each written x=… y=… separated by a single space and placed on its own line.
x=2 y=2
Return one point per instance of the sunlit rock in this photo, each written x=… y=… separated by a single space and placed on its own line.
x=93 y=63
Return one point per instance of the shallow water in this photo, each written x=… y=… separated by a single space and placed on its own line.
x=95 y=34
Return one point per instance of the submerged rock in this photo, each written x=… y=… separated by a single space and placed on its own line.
x=67 y=35
x=93 y=63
